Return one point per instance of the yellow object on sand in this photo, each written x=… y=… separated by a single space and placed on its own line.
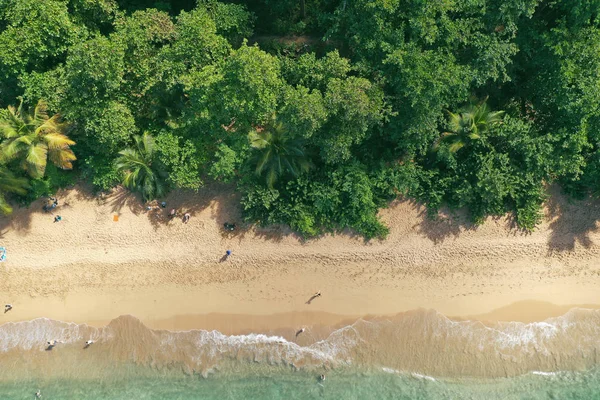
x=116 y=218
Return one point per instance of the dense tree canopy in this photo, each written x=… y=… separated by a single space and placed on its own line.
x=374 y=99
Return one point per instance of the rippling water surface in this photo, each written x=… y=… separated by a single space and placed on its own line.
x=414 y=355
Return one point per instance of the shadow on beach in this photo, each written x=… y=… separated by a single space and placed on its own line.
x=572 y=221
x=443 y=225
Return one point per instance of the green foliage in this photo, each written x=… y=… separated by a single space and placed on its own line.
x=182 y=160
x=111 y=129
x=232 y=21
x=226 y=163
x=470 y=125
x=141 y=169
x=32 y=138
x=276 y=153
x=94 y=70
x=377 y=107
x=53 y=180
x=355 y=105
x=9 y=183
x=335 y=200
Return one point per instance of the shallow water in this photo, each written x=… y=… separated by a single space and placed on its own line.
x=298 y=385
x=415 y=355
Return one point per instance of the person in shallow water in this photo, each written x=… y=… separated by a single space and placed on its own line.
x=38 y=394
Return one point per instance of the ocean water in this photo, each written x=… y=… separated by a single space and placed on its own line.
x=416 y=355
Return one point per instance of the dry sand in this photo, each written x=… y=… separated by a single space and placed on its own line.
x=91 y=268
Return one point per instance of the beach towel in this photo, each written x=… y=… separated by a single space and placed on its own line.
x=2 y=254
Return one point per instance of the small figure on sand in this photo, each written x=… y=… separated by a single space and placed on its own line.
x=7 y=308
x=229 y=227
x=163 y=204
x=186 y=218
x=227 y=254
x=314 y=296
x=88 y=343
x=51 y=344
x=38 y=394
x=58 y=218
x=172 y=213
x=300 y=331
x=48 y=207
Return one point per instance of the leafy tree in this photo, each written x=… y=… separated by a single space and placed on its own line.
x=94 y=70
x=276 y=153
x=33 y=138
x=469 y=125
x=183 y=160
x=140 y=168
x=355 y=106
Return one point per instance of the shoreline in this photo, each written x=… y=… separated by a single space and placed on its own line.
x=91 y=269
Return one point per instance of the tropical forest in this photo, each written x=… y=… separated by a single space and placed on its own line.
x=318 y=113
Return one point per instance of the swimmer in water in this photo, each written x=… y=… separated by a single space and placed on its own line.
x=38 y=395
x=322 y=378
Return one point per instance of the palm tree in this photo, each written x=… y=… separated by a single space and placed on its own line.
x=141 y=170
x=10 y=184
x=277 y=153
x=469 y=125
x=34 y=138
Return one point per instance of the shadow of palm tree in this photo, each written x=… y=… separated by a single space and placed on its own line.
x=573 y=221
x=444 y=224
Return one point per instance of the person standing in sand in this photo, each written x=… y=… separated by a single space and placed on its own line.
x=7 y=308
x=300 y=331
x=88 y=343
x=186 y=218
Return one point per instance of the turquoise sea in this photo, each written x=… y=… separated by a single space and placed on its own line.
x=292 y=385
x=414 y=355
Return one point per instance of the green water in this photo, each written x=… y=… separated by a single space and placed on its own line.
x=301 y=385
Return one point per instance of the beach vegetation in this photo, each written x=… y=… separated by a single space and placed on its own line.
x=141 y=169
x=32 y=138
x=276 y=153
x=318 y=112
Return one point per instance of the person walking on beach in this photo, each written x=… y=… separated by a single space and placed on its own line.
x=186 y=218
x=7 y=308
x=88 y=343
x=314 y=296
x=58 y=218
x=300 y=331
x=172 y=214
x=227 y=254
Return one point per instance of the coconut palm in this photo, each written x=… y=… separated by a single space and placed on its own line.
x=469 y=125
x=276 y=153
x=10 y=184
x=33 y=138
x=141 y=170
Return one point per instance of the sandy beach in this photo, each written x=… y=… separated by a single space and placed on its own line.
x=110 y=256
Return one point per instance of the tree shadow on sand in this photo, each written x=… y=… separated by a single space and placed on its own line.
x=572 y=221
x=442 y=225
